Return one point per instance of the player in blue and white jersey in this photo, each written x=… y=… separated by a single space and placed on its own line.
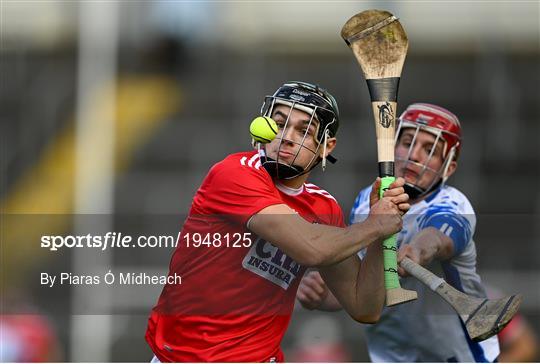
x=438 y=234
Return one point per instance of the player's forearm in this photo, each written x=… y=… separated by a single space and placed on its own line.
x=359 y=285
x=370 y=284
x=432 y=244
x=313 y=244
x=343 y=243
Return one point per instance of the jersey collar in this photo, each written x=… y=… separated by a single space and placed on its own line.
x=289 y=190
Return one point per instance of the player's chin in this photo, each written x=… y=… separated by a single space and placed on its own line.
x=423 y=183
x=428 y=179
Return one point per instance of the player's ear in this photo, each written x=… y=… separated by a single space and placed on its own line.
x=330 y=145
x=451 y=168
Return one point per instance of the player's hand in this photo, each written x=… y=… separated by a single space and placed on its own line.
x=396 y=192
x=386 y=212
x=411 y=252
x=312 y=291
x=386 y=217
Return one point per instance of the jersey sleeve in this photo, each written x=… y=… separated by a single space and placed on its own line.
x=239 y=191
x=450 y=222
x=339 y=219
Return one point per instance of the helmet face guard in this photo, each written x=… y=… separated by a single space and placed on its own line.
x=445 y=127
x=322 y=110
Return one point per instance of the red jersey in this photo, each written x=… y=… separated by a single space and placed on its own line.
x=237 y=292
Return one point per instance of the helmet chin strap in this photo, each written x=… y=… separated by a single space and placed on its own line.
x=416 y=193
x=285 y=171
x=279 y=170
x=413 y=191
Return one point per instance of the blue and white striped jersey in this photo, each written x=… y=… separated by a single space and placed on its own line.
x=428 y=330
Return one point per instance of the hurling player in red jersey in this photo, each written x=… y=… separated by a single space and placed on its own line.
x=254 y=226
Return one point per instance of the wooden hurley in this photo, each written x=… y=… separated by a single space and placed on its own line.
x=482 y=317
x=380 y=44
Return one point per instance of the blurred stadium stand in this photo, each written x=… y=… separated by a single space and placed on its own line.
x=192 y=76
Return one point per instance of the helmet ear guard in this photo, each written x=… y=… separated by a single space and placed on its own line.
x=325 y=141
x=449 y=158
